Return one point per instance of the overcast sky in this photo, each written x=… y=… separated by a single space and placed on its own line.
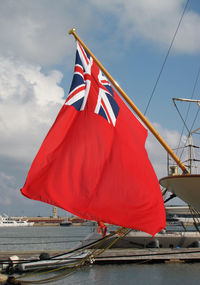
x=130 y=37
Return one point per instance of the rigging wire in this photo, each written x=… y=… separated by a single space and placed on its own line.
x=166 y=57
x=187 y=113
x=194 y=120
x=184 y=120
x=189 y=130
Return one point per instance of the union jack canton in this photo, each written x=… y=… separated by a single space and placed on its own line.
x=105 y=104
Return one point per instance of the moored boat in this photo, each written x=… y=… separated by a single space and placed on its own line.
x=65 y=223
x=185 y=186
x=6 y=221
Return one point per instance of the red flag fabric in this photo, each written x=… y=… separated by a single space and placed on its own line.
x=93 y=162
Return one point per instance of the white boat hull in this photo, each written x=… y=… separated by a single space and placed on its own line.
x=16 y=224
x=186 y=187
x=6 y=221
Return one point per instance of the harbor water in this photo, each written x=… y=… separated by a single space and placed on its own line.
x=65 y=238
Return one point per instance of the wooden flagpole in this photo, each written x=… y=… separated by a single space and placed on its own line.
x=132 y=105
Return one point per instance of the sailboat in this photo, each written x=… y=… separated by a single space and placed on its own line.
x=186 y=187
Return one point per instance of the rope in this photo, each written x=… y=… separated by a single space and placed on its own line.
x=166 y=57
x=67 y=269
x=195 y=215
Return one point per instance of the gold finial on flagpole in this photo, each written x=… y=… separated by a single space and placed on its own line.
x=71 y=31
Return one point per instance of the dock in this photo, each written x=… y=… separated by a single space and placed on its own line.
x=135 y=247
x=30 y=254
x=122 y=255
x=149 y=255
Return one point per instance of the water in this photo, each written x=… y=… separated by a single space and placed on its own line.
x=61 y=238
x=41 y=238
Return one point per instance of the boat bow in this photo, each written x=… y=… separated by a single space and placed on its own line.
x=186 y=187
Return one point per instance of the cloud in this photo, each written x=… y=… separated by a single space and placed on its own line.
x=155 y=21
x=29 y=102
x=7 y=193
x=36 y=31
x=157 y=153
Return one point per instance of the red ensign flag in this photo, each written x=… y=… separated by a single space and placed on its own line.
x=93 y=162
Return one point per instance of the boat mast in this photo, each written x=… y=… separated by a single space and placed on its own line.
x=190 y=146
x=132 y=105
x=190 y=153
x=190 y=133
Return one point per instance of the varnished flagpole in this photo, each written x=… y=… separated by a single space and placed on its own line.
x=132 y=105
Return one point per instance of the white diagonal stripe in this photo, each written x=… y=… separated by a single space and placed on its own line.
x=109 y=108
x=76 y=97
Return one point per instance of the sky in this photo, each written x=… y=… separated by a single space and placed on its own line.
x=131 y=38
